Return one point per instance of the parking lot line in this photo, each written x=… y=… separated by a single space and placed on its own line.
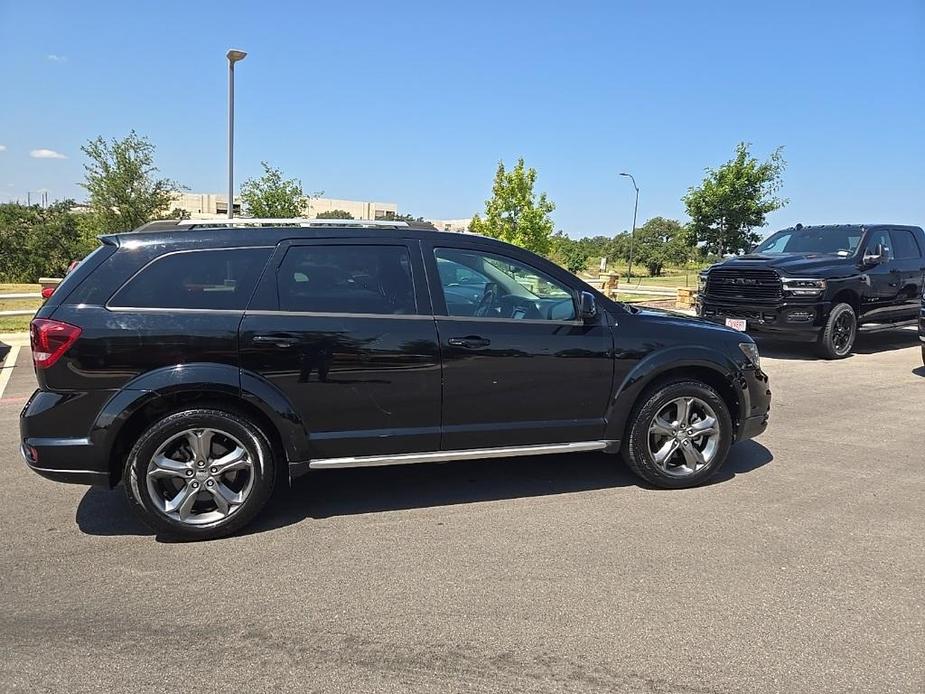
x=6 y=371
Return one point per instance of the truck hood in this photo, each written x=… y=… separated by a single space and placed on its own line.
x=794 y=264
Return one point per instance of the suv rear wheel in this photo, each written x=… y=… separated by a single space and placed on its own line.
x=679 y=435
x=841 y=328
x=199 y=474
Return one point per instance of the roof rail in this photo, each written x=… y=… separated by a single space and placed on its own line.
x=288 y=222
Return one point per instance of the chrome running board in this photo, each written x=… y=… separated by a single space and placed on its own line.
x=447 y=456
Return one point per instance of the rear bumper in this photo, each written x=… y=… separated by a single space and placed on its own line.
x=61 y=474
x=71 y=458
x=803 y=321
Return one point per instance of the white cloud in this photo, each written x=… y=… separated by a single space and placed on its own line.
x=46 y=154
x=56 y=58
x=2 y=148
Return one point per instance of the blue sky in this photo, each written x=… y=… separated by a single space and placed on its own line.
x=416 y=102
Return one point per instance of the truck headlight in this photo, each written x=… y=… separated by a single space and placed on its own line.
x=750 y=350
x=702 y=282
x=798 y=286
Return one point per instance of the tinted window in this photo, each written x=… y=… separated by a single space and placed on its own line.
x=347 y=279
x=499 y=287
x=904 y=244
x=217 y=279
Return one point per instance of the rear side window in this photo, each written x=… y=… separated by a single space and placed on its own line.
x=221 y=279
x=347 y=279
x=905 y=245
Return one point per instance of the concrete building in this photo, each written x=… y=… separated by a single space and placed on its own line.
x=451 y=224
x=215 y=205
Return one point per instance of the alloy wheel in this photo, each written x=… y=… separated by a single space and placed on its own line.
x=843 y=332
x=684 y=436
x=200 y=476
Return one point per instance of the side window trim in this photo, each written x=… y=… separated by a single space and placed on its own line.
x=110 y=306
x=442 y=313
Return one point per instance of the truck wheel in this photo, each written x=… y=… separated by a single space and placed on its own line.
x=679 y=435
x=841 y=328
x=199 y=474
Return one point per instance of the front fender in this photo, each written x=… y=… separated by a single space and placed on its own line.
x=658 y=363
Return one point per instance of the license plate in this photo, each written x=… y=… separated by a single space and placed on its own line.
x=736 y=324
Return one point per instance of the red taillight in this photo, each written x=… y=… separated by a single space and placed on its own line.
x=50 y=340
x=47 y=292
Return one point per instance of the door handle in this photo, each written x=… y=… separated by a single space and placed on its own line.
x=469 y=342
x=276 y=340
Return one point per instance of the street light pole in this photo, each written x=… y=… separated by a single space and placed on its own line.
x=629 y=270
x=233 y=56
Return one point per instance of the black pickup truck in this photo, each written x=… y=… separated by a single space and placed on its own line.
x=821 y=284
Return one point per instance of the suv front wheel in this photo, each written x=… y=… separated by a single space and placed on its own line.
x=679 y=435
x=199 y=474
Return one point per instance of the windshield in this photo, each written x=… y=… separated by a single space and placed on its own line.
x=841 y=241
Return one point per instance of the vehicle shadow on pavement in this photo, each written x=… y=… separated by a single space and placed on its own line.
x=371 y=490
x=872 y=343
x=919 y=371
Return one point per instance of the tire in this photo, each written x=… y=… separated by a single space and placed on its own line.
x=221 y=495
x=834 y=343
x=646 y=445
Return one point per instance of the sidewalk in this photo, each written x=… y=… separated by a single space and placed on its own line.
x=15 y=339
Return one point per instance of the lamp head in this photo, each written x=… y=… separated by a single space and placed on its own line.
x=234 y=55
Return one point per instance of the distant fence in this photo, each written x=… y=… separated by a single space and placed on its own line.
x=46 y=282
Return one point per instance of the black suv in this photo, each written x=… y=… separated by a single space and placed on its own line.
x=199 y=365
x=820 y=284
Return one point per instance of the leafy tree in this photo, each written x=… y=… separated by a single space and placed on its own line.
x=734 y=199
x=661 y=242
x=515 y=213
x=41 y=242
x=407 y=218
x=570 y=254
x=121 y=180
x=334 y=214
x=273 y=196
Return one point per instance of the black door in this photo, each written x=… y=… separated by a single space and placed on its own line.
x=519 y=368
x=344 y=329
x=910 y=264
x=883 y=279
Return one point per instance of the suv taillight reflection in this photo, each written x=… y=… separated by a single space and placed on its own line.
x=50 y=340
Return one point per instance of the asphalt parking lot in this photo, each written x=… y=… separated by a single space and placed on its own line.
x=800 y=569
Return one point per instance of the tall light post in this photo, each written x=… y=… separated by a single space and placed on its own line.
x=233 y=55
x=629 y=270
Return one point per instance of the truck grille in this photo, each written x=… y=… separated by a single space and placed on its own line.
x=744 y=285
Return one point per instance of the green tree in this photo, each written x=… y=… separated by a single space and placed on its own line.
x=515 y=213
x=570 y=254
x=41 y=242
x=272 y=196
x=121 y=180
x=407 y=218
x=734 y=199
x=663 y=242
x=334 y=214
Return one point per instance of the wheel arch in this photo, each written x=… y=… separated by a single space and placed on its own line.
x=710 y=367
x=847 y=296
x=152 y=396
